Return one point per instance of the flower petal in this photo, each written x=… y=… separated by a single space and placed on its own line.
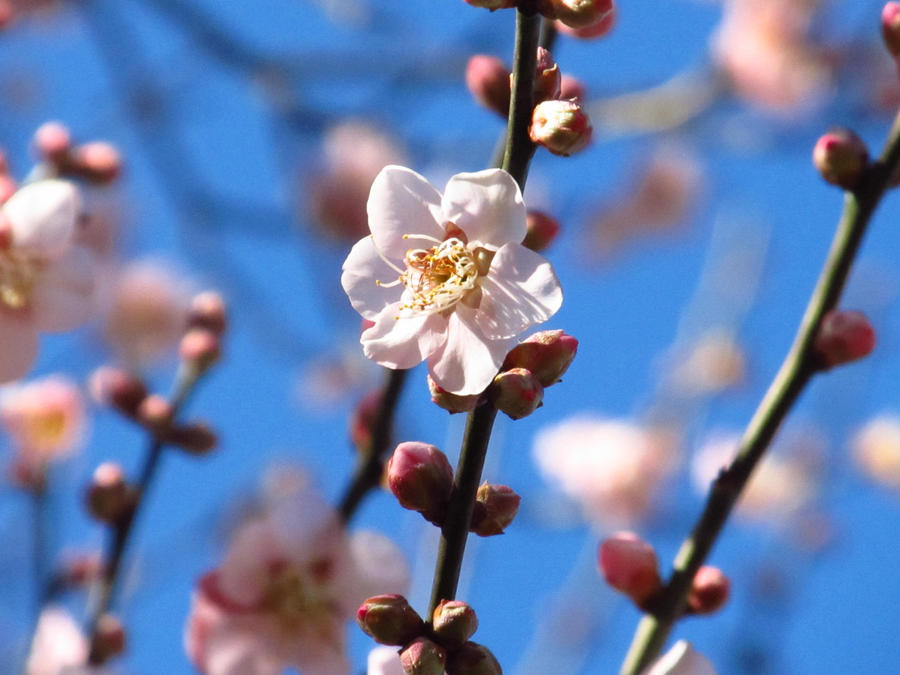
x=362 y=269
x=42 y=216
x=401 y=202
x=19 y=340
x=62 y=298
x=487 y=206
x=519 y=291
x=468 y=361
x=380 y=567
x=405 y=342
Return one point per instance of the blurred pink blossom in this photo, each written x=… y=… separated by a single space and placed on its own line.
x=384 y=660
x=281 y=598
x=876 y=450
x=59 y=647
x=446 y=278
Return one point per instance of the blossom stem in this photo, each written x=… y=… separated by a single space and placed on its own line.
x=796 y=371
x=371 y=462
x=519 y=148
x=104 y=593
x=455 y=528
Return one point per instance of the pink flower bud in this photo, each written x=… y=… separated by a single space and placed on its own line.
x=844 y=336
x=421 y=478
x=547 y=354
x=390 y=620
x=473 y=659
x=595 y=30
x=116 y=388
x=517 y=392
x=108 y=495
x=453 y=403
x=453 y=622
x=546 y=78
x=542 y=230
x=98 y=162
x=841 y=157
x=890 y=27
x=52 y=141
x=423 y=657
x=109 y=639
x=208 y=311
x=195 y=438
x=200 y=349
x=560 y=126
x=709 y=591
x=155 y=413
x=629 y=565
x=362 y=421
x=582 y=13
x=495 y=508
x=487 y=78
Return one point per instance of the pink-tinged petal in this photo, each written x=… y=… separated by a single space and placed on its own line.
x=401 y=202
x=519 y=291
x=405 y=342
x=384 y=660
x=362 y=271
x=380 y=568
x=320 y=651
x=18 y=346
x=468 y=361
x=233 y=647
x=318 y=534
x=42 y=216
x=243 y=576
x=62 y=298
x=487 y=206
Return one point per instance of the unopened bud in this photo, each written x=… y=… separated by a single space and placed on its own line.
x=108 y=495
x=453 y=403
x=841 y=158
x=844 y=336
x=109 y=639
x=195 y=438
x=200 y=348
x=517 y=392
x=208 y=311
x=423 y=657
x=114 y=387
x=487 y=78
x=98 y=162
x=542 y=230
x=582 y=13
x=52 y=141
x=560 y=126
x=473 y=659
x=595 y=30
x=155 y=413
x=547 y=354
x=709 y=591
x=629 y=565
x=547 y=77
x=421 y=478
x=453 y=622
x=363 y=419
x=890 y=27
x=390 y=620
x=495 y=508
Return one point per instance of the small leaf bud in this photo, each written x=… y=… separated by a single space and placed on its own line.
x=155 y=413
x=547 y=354
x=473 y=659
x=841 y=157
x=421 y=479
x=362 y=421
x=495 y=508
x=453 y=622
x=208 y=311
x=843 y=336
x=517 y=392
x=109 y=639
x=98 y=162
x=423 y=657
x=487 y=79
x=542 y=230
x=709 y=591
x=560 y=126
x=389 y=620
x=452 y=403
x=108 y=495
x=582 y=13
x=114 y=387
x=629 y=565
x=200 y=348
x=195 y=438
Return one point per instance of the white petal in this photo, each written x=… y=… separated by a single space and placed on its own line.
x=18 y=346
x=62 y=298
x=682 y=659
x=362 y=269
x=401 y=202
x=468 y=361
x=487 y=206
x=384 y=660
x=380 y=566
x=403 y=343
x=519 y=291
x=42 y=216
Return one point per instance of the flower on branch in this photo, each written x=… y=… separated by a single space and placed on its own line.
x=445 y=278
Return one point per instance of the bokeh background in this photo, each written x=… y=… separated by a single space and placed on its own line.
x=692 y=232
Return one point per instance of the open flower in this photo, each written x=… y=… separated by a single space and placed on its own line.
x=445 y=277
x=46 y=280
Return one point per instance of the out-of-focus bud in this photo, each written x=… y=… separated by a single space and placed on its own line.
x=547 y=354
x=208 y=311
x=200 y=349
x=844 y=336
x=52 y=141
x=195 y=438
x=97 y=161
x=423 y=657
x=155 y=413
x=594 y=30
x=114 y=387
x=453 y=403
x=841 y=157
x=495 y=508
x=421 y=478
x=108 y=495
x=629 y=565
x=582 y=13
x=487 y=78
x=547 y=77
x=454 y=622
x=709 y=591
x=390 y=620
x=362 y=421
x=493 y=4
x=517 y=392
x=571 y=88
x=890 y=27
x=109 y=639
x=473 y=659
x=542 y=230
x=560 y=126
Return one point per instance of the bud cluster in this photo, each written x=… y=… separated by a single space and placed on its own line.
x=97 y=161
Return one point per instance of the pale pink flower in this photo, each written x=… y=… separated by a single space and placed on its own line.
x=876 y=450
x=384 y=660
x=445 y=277
x=59 y=646
x=290 y=581
x=612 y=468
x=681 y=659
x=46 y=281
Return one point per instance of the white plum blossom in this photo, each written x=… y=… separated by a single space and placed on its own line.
x=46 y=278
x=682 y=659
x=445 y=278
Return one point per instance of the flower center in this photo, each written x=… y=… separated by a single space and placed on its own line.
x=296 y=599
x=17 y=279
x=437 y=278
